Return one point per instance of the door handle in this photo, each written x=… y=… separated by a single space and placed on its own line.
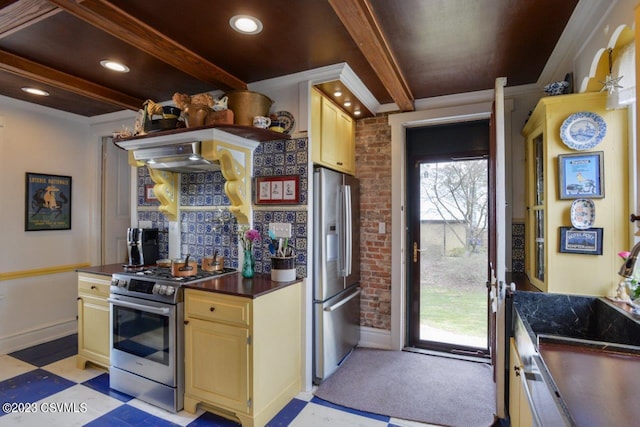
x=344 y=301
x=416 y=251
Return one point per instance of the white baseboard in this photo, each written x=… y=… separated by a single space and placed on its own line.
x=375 y=338
x=35 y=336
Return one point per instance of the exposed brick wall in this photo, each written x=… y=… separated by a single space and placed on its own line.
x=373 y=169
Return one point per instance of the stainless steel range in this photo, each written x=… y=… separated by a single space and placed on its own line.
x=147 y=343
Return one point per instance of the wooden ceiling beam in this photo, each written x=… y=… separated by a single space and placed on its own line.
x=113 y=20
x=358 y=18
x=22 y=13
x=43 y=74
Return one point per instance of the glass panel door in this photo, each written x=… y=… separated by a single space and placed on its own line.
x=450 y=296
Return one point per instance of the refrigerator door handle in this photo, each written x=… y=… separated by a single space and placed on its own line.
x=344 y=301
x=345 y=229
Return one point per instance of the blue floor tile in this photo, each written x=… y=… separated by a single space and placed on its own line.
x=49 y=352
x=211 y=420
x=101 y=384
x=287 y=414
x=378 y=417
x=32 y=386
x=125 y=416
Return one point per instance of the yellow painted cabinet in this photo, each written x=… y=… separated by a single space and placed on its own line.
x=332 y=134
x=243 y=355
x=93 y=320
x=549 y=265
x=222 y=352
x=519 y=410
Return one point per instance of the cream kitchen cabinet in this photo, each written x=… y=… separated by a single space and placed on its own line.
x=332 y=134
x=547 y=267
x=93 y=320
x=243 y=355
x=519 y=409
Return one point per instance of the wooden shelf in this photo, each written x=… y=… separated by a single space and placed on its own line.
x=248 y=132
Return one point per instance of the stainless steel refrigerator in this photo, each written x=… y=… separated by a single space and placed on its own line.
x=336 y=270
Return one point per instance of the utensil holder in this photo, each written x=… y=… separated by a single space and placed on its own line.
x=283 y=269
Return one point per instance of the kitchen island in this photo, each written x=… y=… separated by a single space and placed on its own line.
x=242 y=343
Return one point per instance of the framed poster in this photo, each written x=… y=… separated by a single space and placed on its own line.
x=574 y=241
x=47 y=202
x=581 y=175
x=280 y=190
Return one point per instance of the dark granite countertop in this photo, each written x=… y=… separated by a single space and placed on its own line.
x=585 y=330
x=230 y=284
x=235 y=284
x=104 y=270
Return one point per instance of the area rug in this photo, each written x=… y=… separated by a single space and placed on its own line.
x=412 y=386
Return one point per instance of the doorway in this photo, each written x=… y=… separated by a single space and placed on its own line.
x=116 y=203
x=448 y=199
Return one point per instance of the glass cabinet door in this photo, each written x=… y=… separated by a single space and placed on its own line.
x=538 y=209
x=539 y=170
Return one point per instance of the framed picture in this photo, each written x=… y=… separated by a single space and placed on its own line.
x=574 y=241
x=281 y=190
x=149 y=193
x=581 y=175
x=47 y=202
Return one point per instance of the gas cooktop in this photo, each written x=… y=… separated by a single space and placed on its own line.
x=164 y=274
x=157 y=283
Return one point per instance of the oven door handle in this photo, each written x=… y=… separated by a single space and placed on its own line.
x=155 y=310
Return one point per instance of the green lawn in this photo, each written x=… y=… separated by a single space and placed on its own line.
x=456 y=310
x=453 y=294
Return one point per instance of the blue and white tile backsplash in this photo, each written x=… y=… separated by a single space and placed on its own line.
x=518 y=247
x=200 y=232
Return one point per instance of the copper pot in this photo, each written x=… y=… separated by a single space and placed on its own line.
x=186 y=267
x=213 y=263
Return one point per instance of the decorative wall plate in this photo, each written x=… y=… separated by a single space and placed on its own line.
x=583 y=213
x=286 y=118
x=583 y=131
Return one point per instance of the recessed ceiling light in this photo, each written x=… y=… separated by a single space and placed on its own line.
x=34 y=91
x=357 y=112
x=337 y=93
x=246 y=24
x=114 y=66
x=347 y=104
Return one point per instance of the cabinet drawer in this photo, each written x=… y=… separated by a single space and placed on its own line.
x=217 y=307
x=94 y=285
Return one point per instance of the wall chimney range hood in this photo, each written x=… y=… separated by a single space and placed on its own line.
x=184 y=157
x=190 y=151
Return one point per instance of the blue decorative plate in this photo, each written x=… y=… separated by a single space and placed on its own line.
x=286 y=118
x=583 y=214
x=583 y=131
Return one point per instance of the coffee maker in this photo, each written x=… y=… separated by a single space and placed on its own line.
x=142 y=245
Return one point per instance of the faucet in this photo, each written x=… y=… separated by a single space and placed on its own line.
x=626 y=270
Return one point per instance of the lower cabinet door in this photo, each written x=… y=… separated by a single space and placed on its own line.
x=93 y=329
x=217 y=364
